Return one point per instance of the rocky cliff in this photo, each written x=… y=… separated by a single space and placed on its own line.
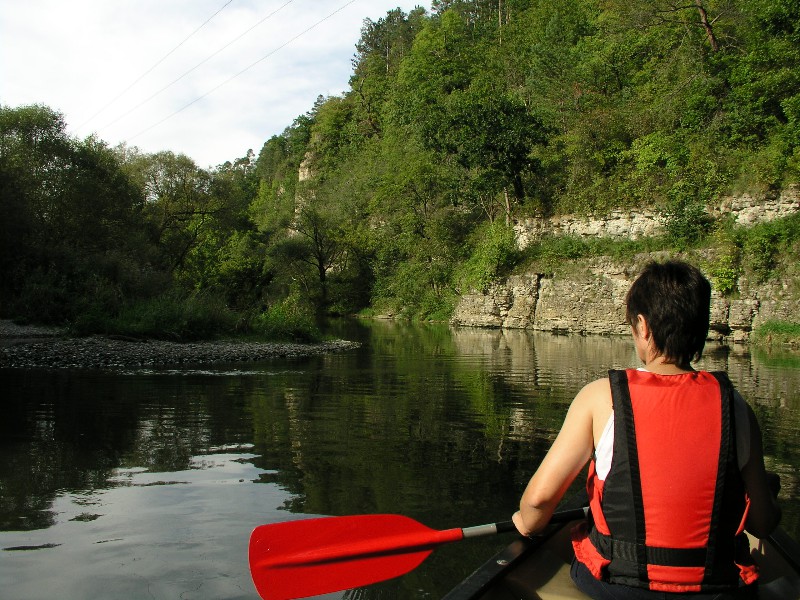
x=588 y=296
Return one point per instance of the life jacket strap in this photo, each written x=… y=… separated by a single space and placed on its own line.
x=612 y=549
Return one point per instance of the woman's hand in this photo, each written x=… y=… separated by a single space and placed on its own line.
x=519 y=524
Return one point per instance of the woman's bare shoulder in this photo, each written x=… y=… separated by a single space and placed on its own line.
x=598 y=387
x=595 y=394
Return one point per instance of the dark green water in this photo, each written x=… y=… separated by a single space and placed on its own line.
x=147 y=483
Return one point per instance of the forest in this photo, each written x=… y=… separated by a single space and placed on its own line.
x=400 y=194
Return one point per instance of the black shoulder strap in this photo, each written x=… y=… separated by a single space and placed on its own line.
x=720 y=552
x=625 y=443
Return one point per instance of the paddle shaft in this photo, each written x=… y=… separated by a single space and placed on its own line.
x=563 y=516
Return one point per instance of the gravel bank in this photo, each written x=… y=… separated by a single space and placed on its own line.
x=36 y=347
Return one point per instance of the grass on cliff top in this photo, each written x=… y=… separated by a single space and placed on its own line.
x=549 y=254
x=756 y=251
x=774 y=334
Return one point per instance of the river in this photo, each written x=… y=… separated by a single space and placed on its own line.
x=146 y=483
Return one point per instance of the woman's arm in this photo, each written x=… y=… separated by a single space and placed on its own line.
x=765 y=513
x=569 y=453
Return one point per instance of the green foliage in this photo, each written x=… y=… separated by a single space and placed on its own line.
x=335 y=134
x=439 y=63
x=288 y=320
x=762 y=243
x=494 y=256
x=765 y=79
x=233 y=267
x=659 y=150
x=71 y=218
x=170 y=316
x=685 y=219
x=493 y=135
x=380 y=51
x=550 y=254
x=760 y=248
x=777 y=333
x=752 y=251
x=417 y=290
x=46 y=296
x=724 y=273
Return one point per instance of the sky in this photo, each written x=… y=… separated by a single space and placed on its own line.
x=206 y=78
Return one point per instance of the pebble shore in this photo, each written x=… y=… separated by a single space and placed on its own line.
x=42 y=347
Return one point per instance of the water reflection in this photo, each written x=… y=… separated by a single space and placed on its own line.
x=115 y=482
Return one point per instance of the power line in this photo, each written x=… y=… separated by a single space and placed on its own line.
x=162 y=59
x=202 y=62
x=214 y=89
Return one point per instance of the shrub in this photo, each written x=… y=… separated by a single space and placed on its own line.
x=46 y=297
x=171 y=316
x=495 y=254
x=288 y=320
x=685 y=219
x=724 y=273
x=760 y=249
x=763 y=243
x=725 y=268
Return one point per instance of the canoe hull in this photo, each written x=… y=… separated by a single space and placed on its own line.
x=538 y=569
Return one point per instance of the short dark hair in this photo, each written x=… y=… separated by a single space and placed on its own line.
x=675 y=299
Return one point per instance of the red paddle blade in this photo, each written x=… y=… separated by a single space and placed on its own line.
x=309 y=557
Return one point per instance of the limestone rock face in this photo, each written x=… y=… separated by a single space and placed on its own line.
x=509 y=305
x=590 y=298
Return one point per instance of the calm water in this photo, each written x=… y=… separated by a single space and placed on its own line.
x=146 y=484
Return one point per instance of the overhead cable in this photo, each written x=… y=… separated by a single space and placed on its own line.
x=162 y=59
x=214 y=89
x=201 y=63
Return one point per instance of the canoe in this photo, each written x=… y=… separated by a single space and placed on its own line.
x=538 y=569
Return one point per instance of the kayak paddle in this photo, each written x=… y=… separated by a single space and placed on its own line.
x=309 y=557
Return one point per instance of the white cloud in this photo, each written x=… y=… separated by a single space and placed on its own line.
x=79 y=58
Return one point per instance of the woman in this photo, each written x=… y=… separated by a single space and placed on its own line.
x=677 y=469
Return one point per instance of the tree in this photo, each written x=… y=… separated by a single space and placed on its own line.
x=440 y=62
x=277 y=174
x=34 y=155
x=379 y=52
x=765 y=77
x=695 y=17
x=228 y=256
x=493 y=135
x=317 y=238
x=334 y=135
x=72 y=226
x=178 y=203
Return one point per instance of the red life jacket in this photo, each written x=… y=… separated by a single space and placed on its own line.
x=670 y=514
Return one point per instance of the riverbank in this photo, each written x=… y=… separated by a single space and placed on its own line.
x=46 y=347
